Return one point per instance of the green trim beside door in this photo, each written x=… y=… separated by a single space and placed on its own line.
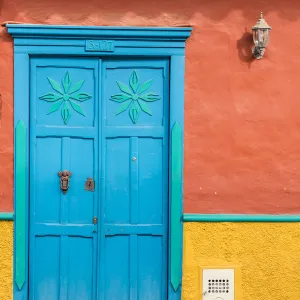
x=20 y=188
x=176 y=196
x=6 y=216
x=9 y=216
x=239 y=218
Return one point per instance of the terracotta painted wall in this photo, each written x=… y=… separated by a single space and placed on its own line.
x=242 y=138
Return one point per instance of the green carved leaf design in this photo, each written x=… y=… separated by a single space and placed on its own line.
x=145 y=108
x=123 y=107
x=134 y=112
x=66 y=82
x=124 y=88
x=77 y=108
x=55 y=107
x=76 y=87
x=65 y=112
x=120 y=97
x=81 y=96
x=145 y=86
x=64 y=98
x=55 y=85
x=149 y=97
x=134 y=81
x=50 y=97
x=133 y=97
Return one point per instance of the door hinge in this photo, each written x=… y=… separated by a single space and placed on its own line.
x=95 y=220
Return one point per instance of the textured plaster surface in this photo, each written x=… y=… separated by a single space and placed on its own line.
x=267 y=255
x=6 y=260
x=242 y=129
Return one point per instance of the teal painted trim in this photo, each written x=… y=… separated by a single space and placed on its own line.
x=20 y=226
x=4 y=216
x=176 y=197
x=240 y=218
x=211 y=218
x=111 y=32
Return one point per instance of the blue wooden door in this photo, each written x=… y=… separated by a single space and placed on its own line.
x=134 y=218
x=63 y=136
x=107 y=120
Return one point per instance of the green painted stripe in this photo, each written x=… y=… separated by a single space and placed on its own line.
x=5 y=216
x=176 y=200
x=240 y=218
x=20 y=198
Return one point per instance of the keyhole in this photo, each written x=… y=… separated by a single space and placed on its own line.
x=90 y=184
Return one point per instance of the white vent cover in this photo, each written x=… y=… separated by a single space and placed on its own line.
x=218 y=284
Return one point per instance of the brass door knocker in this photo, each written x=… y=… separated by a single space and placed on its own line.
x=64 y=180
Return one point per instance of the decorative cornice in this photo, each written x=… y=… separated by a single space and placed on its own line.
x=85 y=32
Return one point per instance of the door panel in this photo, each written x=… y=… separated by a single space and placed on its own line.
x=63 y=136
x=80 y=270
x=125 y=255
x=117 y=267
x=117 y=181
x=65 y=81
x=47 y=211
x=120 y=79
x=46 y=267
x=150 y=267
x=150 y=181
x=81 y=202
x=135 y=179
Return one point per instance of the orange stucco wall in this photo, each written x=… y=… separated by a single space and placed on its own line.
x=242 y=116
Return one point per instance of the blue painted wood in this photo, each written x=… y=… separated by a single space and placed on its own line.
x=135 y=204
x=122 y=42
x=134 y=178
x=61 y=226
x=84 y=132
x=21 y=112
x=131 y=33
x=80 y=51
x=72 y=40
x=152 y=137
x=176 y=116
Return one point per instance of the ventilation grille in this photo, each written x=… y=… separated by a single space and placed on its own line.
x=218 y=284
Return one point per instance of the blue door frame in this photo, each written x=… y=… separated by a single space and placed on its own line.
x=80 y=41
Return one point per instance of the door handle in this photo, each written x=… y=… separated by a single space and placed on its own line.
x=64 y=180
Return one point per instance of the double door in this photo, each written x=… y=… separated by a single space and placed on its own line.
x=98 y=179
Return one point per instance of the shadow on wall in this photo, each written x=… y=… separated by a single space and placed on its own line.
x=244 y=46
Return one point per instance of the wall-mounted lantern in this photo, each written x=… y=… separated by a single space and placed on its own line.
x=261 y=35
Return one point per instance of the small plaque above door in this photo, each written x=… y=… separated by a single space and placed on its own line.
x=100 y=45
